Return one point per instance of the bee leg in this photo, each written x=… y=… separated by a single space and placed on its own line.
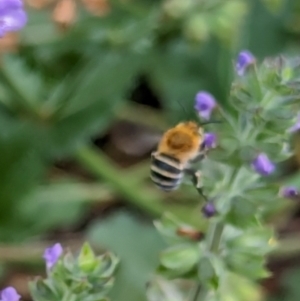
x=201 y=155
x=196 y=179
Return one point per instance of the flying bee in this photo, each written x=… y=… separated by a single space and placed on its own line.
x=178 y=148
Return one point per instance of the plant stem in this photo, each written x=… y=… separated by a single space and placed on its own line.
x=197 y=292
x=214 y=237
x=96 y=161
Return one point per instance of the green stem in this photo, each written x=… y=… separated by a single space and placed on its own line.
x=197 y=292
x=214 y=238
x=100 y=165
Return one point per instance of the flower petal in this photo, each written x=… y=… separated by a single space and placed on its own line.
x=209 y=140
x=204 y=104
x=13 y=21
x=10 y=294
x=289 y=192
x=262 y=165
x=52 y=254
x=245 y=58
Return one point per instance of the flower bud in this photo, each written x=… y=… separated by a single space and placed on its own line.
x=87 y=260
x=52 y=254
x=210 y=140
x=244 y=60
x=289 y=192
x=209 y=209
x=204 y=104
x=262 y=165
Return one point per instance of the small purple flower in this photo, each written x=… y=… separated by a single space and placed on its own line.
x=262 y=165
x=52 y=254
x=210 y=140
x=204 y=104
x=245 y=58
x=12 y=16
x=289 y=192
x=209 y=209
x=296 y=126
x=10 y=294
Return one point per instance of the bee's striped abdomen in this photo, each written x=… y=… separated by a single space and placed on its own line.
x=166 y=172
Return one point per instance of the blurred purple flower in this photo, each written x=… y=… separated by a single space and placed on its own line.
x=289 y=192
x=204 y=104
x=210 y=140
x=245 y=58
x=296 y=126
x=9 y=294
x=209 y=209
x=12 y=16
x=52 y=254
x=262 y=165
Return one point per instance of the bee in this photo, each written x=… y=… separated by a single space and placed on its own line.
x=178 y=148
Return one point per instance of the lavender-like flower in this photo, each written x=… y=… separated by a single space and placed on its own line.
x=52 y=254
x=204 y=104
x=9 y=294
x=12 y=16
x=262 y=165
x=210 y=140
x=245 y=58
x=296 y=126
x=209 y=209
x=289 y=192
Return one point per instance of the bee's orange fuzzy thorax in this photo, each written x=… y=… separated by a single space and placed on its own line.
x=182 y=141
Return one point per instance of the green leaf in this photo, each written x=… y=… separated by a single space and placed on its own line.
x=168 y=227
x=137 y=245
x=160 y=289
x=242 y=213
x=87 y=259
x=210 y=271
x=252 y=267
x=234 y=287
x=181 y=258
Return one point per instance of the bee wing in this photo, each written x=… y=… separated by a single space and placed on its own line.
x=134 y=139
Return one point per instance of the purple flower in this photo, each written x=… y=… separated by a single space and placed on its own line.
x=210 y=140
x=262 y=165
x=245 y=58
x=10 y=294
x=296 y=126
x=209 y=209
x=12 y=16
x=204 y=104
x=52 y=254
x=289 y=192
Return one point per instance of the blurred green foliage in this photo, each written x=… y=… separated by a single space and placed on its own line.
x=61 y=89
